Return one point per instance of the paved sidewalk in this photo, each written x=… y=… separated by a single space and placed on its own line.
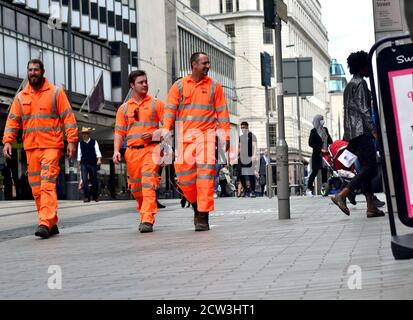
x=247 y=254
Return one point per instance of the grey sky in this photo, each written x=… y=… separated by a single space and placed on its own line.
x=350 y=27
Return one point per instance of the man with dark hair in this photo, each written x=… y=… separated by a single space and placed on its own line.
x=359 y=131
x=197 y=104
x=137 y=119
x=43 y=112
x=247 y=160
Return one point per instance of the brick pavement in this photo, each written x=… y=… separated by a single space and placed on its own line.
x=247 y=254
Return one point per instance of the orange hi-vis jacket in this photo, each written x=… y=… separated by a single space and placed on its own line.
x=43 y=116
x=198 y=105
x=150 y=112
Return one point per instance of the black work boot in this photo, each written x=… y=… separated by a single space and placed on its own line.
x=54 y=230
x=146 y=227
x=42 y=231
x=201 y=219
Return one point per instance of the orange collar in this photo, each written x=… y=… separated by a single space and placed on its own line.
x=140 y=103
x=29 y=89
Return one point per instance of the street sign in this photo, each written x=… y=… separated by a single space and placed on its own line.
x=395 y=67
x=265 y=69
x=282 y=10
x=298 y=77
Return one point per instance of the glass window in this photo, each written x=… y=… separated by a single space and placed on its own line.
x=229 y=5
x=132 y=4
x=194 y=5
x=230 y=29
x=125 y=26
x=105 y=56
x=237 y=3
x=118 y=23
x=23 y=25
x=85 y=7
x=221 y=7
x=111 y=19
x=268 y=35
x=23 y=53
x=35 y=28
x=272 y=129
x=97 y=55
x=78 y=45
x=133 y=30
x=11 y=64
x=76 y=5
x=46 y=33
x=1 y=54
x=80 y=77
x=57 y=37
x=9 y=18
x=88 y=49
x=102 y=15
x=94 y=10
x=59 y=62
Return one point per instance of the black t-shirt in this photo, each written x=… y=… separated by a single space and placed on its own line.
x=245 y=143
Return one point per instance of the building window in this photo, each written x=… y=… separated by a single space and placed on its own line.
x=229 y=6
x=58 y=38
x=272 y=67
x=272 y=129
x=221 y=6
x=97 y=54
x=102 y=15
x=46 y=33
x=237 y=4
x=258 y=5
x=195 y=5
x=78 y=45
x=23 y=25
x=35 y=28
x=268 y=35
x=85 y=7
x=88 y=49
x=230 y=29
x=9 y=19
x=94 y=10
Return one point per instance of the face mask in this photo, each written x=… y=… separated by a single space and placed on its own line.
x=322 y=122
x=244 y=131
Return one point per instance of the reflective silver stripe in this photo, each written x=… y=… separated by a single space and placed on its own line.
x=206 y=166
x=223 y=120
x=35 y=184
x=187 y=183
x=199 y=106
x=50 y=179
x=136 y=190
x=153 y=110
x=221 y=109
x=214 y=83
x=66 y=112
x=133 y=136
x=14 y=117
x=197 y=118
x=206 y=176
x=136 y=180
x=148 y=174
x=56 y=91
x=39 y=116
x=42 y=129
x=143 y=124
x=20 y=104
x=171 y=106
x=11 y=130
x=124 y=110
x=33 y=174
x=45 y=167
x=181 y=95
x=122 y=128
x=168 y=115
x=148 y=186
x=185 y=173
x=70 y=125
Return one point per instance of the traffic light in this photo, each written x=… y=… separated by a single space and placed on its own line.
x=265 y=69
x=269 y=13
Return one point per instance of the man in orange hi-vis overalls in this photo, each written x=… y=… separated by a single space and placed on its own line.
x=137 y=119
x=43 y=112
x=197 y=104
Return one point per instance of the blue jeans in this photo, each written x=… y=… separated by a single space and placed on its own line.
x=89 y=174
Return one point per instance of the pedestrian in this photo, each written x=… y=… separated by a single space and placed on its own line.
x=247 y=160
x=89 y=159
x=137 y=119
x=43 y=112
x=197 y=104
x=359 y=131
x=224 y=180
x=319 y=140
x=264 y=163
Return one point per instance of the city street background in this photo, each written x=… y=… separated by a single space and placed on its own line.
x=247 y=254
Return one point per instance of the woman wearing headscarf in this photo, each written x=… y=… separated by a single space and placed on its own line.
x=319 y=141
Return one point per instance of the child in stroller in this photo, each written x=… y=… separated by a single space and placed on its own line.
x=339 y=175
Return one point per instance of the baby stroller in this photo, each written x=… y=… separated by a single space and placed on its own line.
x=339 y=175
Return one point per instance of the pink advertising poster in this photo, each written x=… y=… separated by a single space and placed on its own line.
x=401 y=86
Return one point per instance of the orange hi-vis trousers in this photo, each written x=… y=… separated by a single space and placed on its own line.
x=43 y=169
x=144 y=180
x=195 y=170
